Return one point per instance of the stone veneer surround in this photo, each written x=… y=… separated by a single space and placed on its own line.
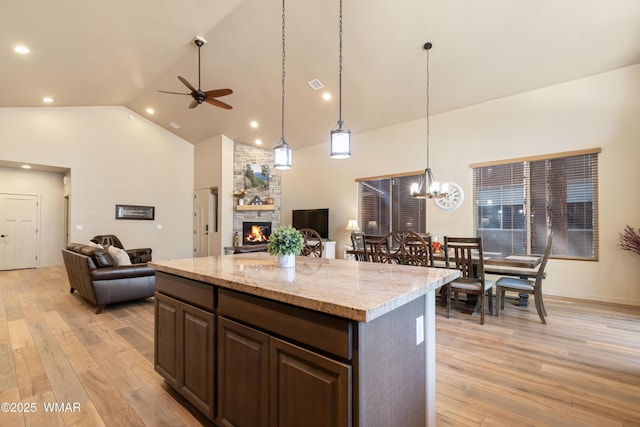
x=244 y=155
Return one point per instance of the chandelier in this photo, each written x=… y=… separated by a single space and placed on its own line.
x=428 y=188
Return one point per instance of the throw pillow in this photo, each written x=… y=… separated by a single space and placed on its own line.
x=95 y=245
x=120 y=257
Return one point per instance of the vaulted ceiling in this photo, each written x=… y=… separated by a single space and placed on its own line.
x=89 y=53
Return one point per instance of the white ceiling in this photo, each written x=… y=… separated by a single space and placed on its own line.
x=117 y=52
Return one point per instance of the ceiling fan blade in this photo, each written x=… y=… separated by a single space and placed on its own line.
x=217 y=103
x=187 y=84
x=174 y=93
x=218 y=92
x=194 y=103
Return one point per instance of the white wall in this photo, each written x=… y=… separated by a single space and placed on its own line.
x=214 y=165
x=113 y=160
x=50 y=189
x=599 y=111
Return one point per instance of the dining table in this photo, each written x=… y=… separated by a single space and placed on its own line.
x=505 y=264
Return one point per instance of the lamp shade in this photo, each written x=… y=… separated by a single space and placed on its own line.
x=352 y=225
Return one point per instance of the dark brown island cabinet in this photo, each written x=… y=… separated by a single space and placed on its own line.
x=250 y=355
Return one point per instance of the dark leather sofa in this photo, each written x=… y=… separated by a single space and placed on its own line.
x=137 y=256
x=91 y=271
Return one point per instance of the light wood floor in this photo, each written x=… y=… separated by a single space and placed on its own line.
x=581 y=369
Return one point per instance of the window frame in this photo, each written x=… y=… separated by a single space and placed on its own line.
x=392 y=215
x=574 y=184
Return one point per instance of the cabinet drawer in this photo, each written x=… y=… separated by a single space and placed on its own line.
x=318 y=330
x=192 y=292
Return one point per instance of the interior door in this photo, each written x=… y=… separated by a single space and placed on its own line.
x=202 y=222
x=18 y=231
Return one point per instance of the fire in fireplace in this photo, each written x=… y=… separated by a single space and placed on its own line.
x=255 y=233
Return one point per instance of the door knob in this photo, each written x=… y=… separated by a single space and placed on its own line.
x=4 y=235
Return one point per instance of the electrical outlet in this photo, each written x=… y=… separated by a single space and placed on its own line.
x=419 y=330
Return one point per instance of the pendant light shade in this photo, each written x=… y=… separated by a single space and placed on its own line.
x=282 y=151
x=282 y=155
x=340 y=136
x=428 y=188
x=340 y=142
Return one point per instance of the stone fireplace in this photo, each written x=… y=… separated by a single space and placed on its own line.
x=255 y=233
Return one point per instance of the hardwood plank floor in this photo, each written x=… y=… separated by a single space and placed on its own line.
x=581 y=369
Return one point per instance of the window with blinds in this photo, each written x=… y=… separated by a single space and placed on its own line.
x=386 y=204
x=519 y=202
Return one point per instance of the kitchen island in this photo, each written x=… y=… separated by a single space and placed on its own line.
x=329 y=342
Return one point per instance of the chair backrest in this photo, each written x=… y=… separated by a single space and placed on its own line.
x=312 y=243
x=376 y=247
x=543 y=264
x=409 y=248
x=465 y=254
x=357 y=242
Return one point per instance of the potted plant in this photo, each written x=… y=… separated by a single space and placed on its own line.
x=285 y=243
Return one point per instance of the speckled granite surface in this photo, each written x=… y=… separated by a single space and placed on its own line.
x=359 y=291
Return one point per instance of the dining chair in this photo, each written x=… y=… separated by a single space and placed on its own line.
x=525 y=286
x=465 y=254
x=312 y=246
x=376 y=248
x=409 y=248
x=357 y=243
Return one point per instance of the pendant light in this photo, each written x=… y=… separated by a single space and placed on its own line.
x=282 y=151
x=429 y=188
x=340 y=136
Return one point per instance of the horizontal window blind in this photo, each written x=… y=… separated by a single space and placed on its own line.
x=518 y=204
x=386 y=205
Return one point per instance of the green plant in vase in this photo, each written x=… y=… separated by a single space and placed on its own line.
x=285 y=242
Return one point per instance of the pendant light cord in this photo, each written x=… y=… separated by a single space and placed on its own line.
x=340 y=68
x=428 y=48
x=283 y=71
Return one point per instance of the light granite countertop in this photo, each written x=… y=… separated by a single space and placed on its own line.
x=360 y=291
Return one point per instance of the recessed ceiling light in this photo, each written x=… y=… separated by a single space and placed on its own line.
x=326 y=96
x=25 y=167
x=21 y=49
x=258 y=142
x=253 y=124
x=47 y=99
x=150 y=110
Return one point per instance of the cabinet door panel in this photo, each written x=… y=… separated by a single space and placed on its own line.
x=166 y=338
x=243 y=375
x=308 y=389
x=197 y=358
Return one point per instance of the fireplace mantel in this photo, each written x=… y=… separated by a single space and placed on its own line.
x=256 y=207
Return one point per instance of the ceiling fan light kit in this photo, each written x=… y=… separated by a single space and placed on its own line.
x=199 y=96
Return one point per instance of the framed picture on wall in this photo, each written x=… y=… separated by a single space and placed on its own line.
x=135 y=212
x=256 y=176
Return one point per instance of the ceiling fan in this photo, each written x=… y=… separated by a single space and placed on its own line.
x=199 y=95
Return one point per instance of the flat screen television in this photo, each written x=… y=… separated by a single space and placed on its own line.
x=317 y=219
